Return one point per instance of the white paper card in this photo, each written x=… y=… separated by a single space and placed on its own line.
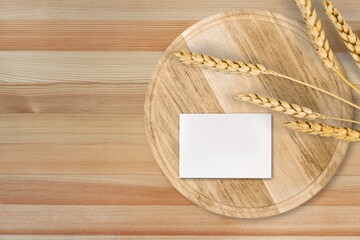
x=225 y=146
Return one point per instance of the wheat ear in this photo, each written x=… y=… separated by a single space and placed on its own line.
x=287 y=108
x=214 y=63
x=341 y=133
x=352 y=42
x=217 y=64
x=316 y=33
x=319 y=40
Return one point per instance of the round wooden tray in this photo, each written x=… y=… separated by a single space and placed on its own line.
x=302 y=164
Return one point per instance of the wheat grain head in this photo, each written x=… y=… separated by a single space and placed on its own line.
x=341 y=133
x=317 y=34
x=290 y=109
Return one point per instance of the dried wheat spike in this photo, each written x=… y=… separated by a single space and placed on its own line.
x=317 y=34
x=349 y=37
x=218 y=64
x=290 y=109
x=341 y=133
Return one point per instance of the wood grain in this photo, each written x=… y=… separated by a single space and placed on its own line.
x=105 y=35
x=76 y=237
x=94 y=159
x=72 y=128
x=102 y=159
x=126 y=189
x=301 y=164
x=95 y=190
x=50 y=82
x=172 y=220
x=114 y=82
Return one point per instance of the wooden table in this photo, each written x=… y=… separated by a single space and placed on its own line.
x=74 y=159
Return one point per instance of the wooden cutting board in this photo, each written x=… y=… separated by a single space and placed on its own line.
x=302 y=164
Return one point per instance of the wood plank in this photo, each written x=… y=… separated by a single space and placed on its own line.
x=60 y=35
x=173 y=220
x=55 y=151
x=134 y=190
x=77 y=237
x=27 y=68
x=340 y=191
x=60 y=98
x=89 y=190
x=103 y=159
x=155 y=9
x=72 y=128
x=77 y=159
x=99 y=82
x=106 y=35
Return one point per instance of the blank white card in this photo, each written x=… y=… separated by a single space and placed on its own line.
x=225 y=146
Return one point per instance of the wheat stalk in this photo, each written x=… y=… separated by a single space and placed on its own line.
x=352 y=42
x=240 y=67
x=319 y=40
x=287 y=108
x=341 y=133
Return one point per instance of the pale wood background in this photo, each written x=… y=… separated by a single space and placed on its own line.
x=73 y=154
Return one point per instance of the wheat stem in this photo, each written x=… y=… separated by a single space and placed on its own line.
x=284 y=107
x=342 y=119
x=239 y=67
